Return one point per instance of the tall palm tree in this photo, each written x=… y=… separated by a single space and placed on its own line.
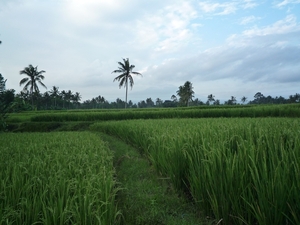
x=126 y=70
x=244 y=99
x=211 y=98
x=54 y=93
x=34 y=77
x=186 y=93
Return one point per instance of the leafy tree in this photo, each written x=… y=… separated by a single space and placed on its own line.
x=185 y=93
x=217 y=102
x=142 y=104
x=174 y=98
x=149 y=102
x=126 y=74
x=34 y=77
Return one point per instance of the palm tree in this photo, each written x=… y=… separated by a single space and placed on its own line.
x=244 y=99
x=54 y=93
x=34 y=77
x=76 y=98
x=126 y=70
x=186 y=93
x=211 y=98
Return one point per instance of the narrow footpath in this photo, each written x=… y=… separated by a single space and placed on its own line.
x=148 y=199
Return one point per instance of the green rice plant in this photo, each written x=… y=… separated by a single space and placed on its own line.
x=56 y=178
x=286 y=110
x=238 y=171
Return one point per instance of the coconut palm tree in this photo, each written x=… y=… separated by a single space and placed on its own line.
x=185 y=93
x=211 y=98
x=126 y=74
x=244 y=99
x=54 y=93
x=34 y=77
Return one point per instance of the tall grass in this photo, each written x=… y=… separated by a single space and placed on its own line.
x=239 y=171
x=57 y=178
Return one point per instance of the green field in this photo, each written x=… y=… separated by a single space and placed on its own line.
x=237 y=165
x=57 y=178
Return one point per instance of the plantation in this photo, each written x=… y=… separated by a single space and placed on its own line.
x=62 y=178
x=239 y=171
x=237 y=165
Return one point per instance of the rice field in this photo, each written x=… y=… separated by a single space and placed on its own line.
x=253 y=111
x=56 y=178
x=236 y=170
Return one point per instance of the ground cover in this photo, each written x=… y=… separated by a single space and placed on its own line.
x=237 y=170
x=146 y=197
x=56 y=178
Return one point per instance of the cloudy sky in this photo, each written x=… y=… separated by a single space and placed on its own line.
x=225 y=48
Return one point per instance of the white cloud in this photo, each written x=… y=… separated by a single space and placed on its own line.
x=249 y=19
x=287 y=2
x=218 y=8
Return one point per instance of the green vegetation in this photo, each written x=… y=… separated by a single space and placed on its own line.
x=235 y=165
x=239 y=171
x=62 y=178
x=287 y=110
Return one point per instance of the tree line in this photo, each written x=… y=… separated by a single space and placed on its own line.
x=31 y=98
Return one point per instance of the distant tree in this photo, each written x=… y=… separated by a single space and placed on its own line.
x=294 y=98
x=100 y=100
x=54 y=93
x=126 y=74
x=34 y=77
x=158 y=102
x=142 y=104
x=76 y=99
x=217 y=102
x=231 y=101
x=69 y=96
x=174 y=98
x=244 y=99
x=6 y=101
x=63 y=96
x=185 y=93
x=130 y=104
x=211 y=98
x=149 y=102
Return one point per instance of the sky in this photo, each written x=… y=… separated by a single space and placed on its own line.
x=225 y=48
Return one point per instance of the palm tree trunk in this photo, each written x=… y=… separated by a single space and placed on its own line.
x=126 y=92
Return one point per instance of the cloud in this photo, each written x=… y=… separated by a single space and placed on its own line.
x=267 y=55
x=287 y=2
x=226 y=8
x=218 y=8
x=249 y=19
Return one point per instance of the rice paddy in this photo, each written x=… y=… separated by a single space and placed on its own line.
x=57 y=178
x=239 y=171
x=238 y=165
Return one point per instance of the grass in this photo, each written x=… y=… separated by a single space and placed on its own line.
x=148 y=198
